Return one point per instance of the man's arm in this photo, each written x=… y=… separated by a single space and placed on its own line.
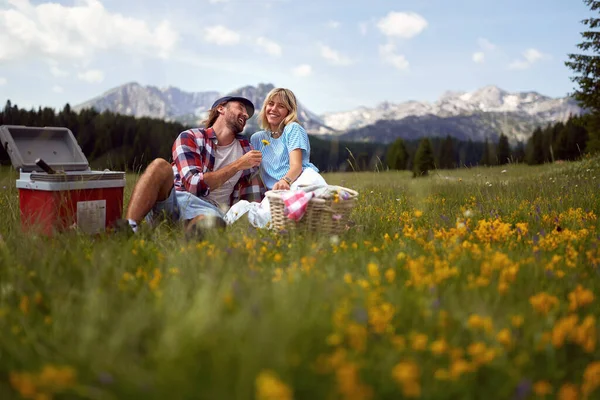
x=187 y=156
x=217 y=178
x=249 y=188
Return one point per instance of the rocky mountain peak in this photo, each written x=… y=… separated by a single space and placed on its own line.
x=512 y=113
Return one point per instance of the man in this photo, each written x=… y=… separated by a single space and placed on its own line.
x=212 y=169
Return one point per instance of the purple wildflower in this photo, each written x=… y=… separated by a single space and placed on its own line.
x=523 y=389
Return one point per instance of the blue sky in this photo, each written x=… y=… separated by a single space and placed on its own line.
x=335 y=55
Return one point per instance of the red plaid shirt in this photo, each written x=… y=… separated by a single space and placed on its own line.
x=194 y=155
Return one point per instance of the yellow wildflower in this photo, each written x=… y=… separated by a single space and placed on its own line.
x=580 y=297
x=504 y=337
x=439 y=347
x=390 y=275
x=51 y=379
x=591 y=378
x=419 y=342
x=381 y=316
x=568 y=391
x=269 y=387
x=265 y=142
x=543 y=302
x=373 y=270
x=562 y=329
x=442 y=374
x=348 y=278
x=408 y=375
x=57 y=377
x=542 y=388
x=155 y=281
x=399 y=342
x=349 y=384
x=477 y=322
x=459 y=367
x=517 y=320
x=357 y=336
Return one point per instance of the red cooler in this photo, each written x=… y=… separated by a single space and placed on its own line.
x=57 y=188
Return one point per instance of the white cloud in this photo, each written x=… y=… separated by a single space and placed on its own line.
x=269 y=46
x=486 y=48
x=333 y=56
x=530 y=57
x=77 y=32
x=362 y=28
x=57 y=89
x=333 y=24
x=3 y=81
x=479 y=57
x=91 y=76
x=486 y=44
x=401 y=24
x=59 y=73
x=221 y=35
x=302 y=70
x=389 y=56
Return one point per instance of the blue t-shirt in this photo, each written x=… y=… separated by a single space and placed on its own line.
x=276 y=155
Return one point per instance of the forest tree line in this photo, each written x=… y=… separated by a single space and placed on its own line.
x=121 y=142
x=560 y=141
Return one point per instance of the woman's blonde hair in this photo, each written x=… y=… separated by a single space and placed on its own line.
x=288 y=99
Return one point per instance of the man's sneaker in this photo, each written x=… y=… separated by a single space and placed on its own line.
x=122 y=226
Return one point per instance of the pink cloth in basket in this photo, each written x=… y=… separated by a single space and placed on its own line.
x=295 y=203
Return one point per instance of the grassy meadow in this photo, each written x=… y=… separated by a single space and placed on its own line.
x=468 y=284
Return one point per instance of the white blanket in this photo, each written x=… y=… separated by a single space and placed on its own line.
x=259 y=214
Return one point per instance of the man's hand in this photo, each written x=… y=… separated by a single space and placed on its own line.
x=281 y=185
x=249 y=160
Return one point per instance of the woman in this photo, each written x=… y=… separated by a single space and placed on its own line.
x=284 y=144
x=285 y=151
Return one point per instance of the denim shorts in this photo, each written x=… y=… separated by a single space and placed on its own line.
x=181 y=206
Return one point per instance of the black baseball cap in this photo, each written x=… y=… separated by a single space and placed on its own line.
x=243 y=100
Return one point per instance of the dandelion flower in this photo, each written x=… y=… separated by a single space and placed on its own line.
x=265 y=142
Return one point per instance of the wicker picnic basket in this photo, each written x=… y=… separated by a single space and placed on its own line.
x=327 y=216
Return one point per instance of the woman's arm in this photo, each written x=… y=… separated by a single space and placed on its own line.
x=293 y=173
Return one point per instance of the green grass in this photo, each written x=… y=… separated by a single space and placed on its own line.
x=422 y=296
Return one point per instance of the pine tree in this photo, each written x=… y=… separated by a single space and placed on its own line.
x=561 y=145
x=447 y=156
x=519 y=152
x=587 y=66
x=503 y=151
x=485 y=157
x=424 y=161
x=535 y=148
x=587 y=78
x=397 y=155
x=468 y=155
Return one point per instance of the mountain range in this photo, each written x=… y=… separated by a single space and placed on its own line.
x=483 y=113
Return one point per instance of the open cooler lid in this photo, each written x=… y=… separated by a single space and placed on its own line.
x=55 y=145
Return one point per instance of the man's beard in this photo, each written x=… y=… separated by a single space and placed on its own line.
x=234 y=125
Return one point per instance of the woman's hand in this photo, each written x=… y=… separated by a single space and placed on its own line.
x=281 y=185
